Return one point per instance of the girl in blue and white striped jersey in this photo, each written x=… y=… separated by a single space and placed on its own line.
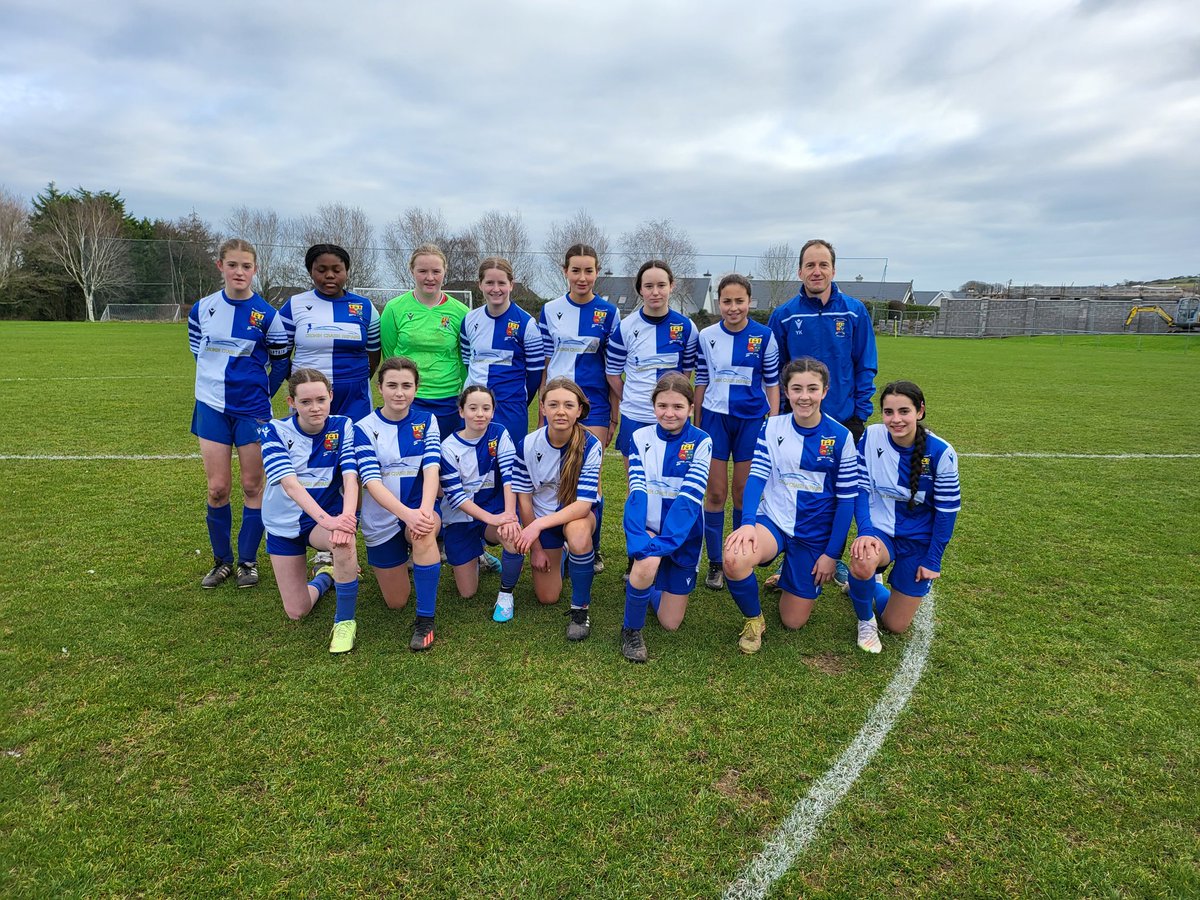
x=799 y=501
x=737 y=383
x=668 y=469
x=502 y=348
x=334 y=331
x=477 y=467
x=908 y=501
x=399 y=458
x=234 y=334
x=311 y=495
x=556 y=478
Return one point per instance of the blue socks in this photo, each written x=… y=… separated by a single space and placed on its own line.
x=347 y=600
x=251 y=534
x=582 y=575
x=220 y=528
x=882 y=594
x=714 y=527
x=737 y=518
x=510 y=570
x=745 y=595
x=425 y=579
x=655 y=598
x=862 y=595
x=322 y=582
x=636 y=601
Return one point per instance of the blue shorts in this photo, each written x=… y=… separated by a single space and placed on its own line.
x=464 y=541
x=906 y=557
x=799 y=557
x=223 y=428
x=599 y=409
x=554 y=538
x=514 y=417
x=288 y=546
x=731 y=435
x=392 y=552
x=444 y=410
x=677 y=572
x=352 y=400
x=625 y=433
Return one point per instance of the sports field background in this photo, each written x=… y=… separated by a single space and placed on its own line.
x=156 y=739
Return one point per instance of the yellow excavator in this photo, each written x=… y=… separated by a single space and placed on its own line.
x=1186 y=318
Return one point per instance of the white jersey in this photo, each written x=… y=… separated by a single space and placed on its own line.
x=476 y=470
x=397 y=454
x=319 y=462
x=736 y=368
x=538 y=466
x=233 y=340
x=644 y=351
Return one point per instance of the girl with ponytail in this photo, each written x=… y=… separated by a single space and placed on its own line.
x=556 y=477
x=907 y=503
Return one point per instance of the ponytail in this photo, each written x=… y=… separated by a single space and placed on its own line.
x=572 y=466
x=915 y=465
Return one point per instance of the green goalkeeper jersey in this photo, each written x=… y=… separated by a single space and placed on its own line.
x=429 y=335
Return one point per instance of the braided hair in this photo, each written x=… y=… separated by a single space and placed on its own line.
x=915 y=466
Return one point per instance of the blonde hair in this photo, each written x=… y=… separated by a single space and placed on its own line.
x=427 y=250
x=237 y=244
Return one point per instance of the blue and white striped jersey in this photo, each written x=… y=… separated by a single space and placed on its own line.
x=319 y=462
x=332 y=335
x=576 y=341
x=232 y=341
x=666 y=467
x=476 y=470
x=501 y=352
x=538 y=464
x=396 y=453
x=644 y=351
x=736 y=368
x=808 y=472
x=884 y=470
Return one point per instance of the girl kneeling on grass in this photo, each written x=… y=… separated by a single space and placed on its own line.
x=799 y=501
x=668 y=470
x=907 y=502
x=477 y=466
x=557 y=480
x=399 y=454
x=311 y=495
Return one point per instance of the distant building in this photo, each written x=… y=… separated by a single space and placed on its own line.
x=931 y=299
x=690 y=295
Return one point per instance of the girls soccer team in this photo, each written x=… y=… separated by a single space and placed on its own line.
x=477 y=476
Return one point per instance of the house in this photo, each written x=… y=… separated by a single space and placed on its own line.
x=932 y=299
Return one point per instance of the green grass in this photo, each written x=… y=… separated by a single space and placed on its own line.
x=160 y=740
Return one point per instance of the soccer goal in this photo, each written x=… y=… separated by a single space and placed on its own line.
x=142 y=312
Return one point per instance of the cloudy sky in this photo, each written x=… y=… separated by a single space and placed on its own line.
x=1032 y=140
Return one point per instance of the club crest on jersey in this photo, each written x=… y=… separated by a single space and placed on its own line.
x=827 y=445
x=445 y=323
x=355 y=309
x=331 y=440
x=599 y=316
x=418 y=431
x=924 y=463
x=493 y=446
x=686 y=451
x=676 y=333
x=839 y=327
x=753 y=343
x=256 y=318
x=511 y=329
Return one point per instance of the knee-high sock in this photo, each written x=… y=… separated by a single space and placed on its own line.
x=862 y=595
x=250 y=535
x=510 y=570
x=655 y=598
x=599 y=510
x=220 y=528
x=347 y=600
x=882 y=594
x=636 y=601
x=323 y=581
x=714 y=536
x=425 y=579
x=737 y=518
x=582 y=575
x=745 y=595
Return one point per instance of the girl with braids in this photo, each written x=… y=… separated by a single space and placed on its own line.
x=798 y=501
x=556 y=477
x=908 y=499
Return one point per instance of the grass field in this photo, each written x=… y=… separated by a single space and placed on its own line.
x=156 y=739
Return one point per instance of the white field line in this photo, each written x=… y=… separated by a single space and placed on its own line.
x=796 y=832
x=94 y=377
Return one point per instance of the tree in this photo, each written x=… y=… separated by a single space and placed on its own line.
x=408 y=231
x=84 y=233
x=581 y=228
x=978 y=287
x=274 y=243
x=14 y=234
x=659 y=239
x=504 y=234
x=191 y=252
x=348 y=227
x=777 y=267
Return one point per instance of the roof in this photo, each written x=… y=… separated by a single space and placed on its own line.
x=928 y=298
x=688 y=295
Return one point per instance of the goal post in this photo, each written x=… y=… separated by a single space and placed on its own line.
x=142 y=312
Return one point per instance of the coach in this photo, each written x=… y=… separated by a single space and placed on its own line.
x=828 y=325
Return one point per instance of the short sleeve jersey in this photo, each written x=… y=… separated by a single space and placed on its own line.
x=644 y=351
x=430 y=336
x=319 y=462
x=476 y=470
x=499 y=351
x=668 y=466
x=332 y=335
x=538 y=466
x=807 y=471
x=736 y=367
x=232 y=341
x=884 y=469
x=395 y=453
x=576 y=340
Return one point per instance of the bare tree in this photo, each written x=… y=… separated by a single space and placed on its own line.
x=279 y=257
x=504 y=234
x=659 y=239
x=85 y=237
x=408 y=231
x=581 y=228
x=348 y=227
x=778 y=266
x=14 y=233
